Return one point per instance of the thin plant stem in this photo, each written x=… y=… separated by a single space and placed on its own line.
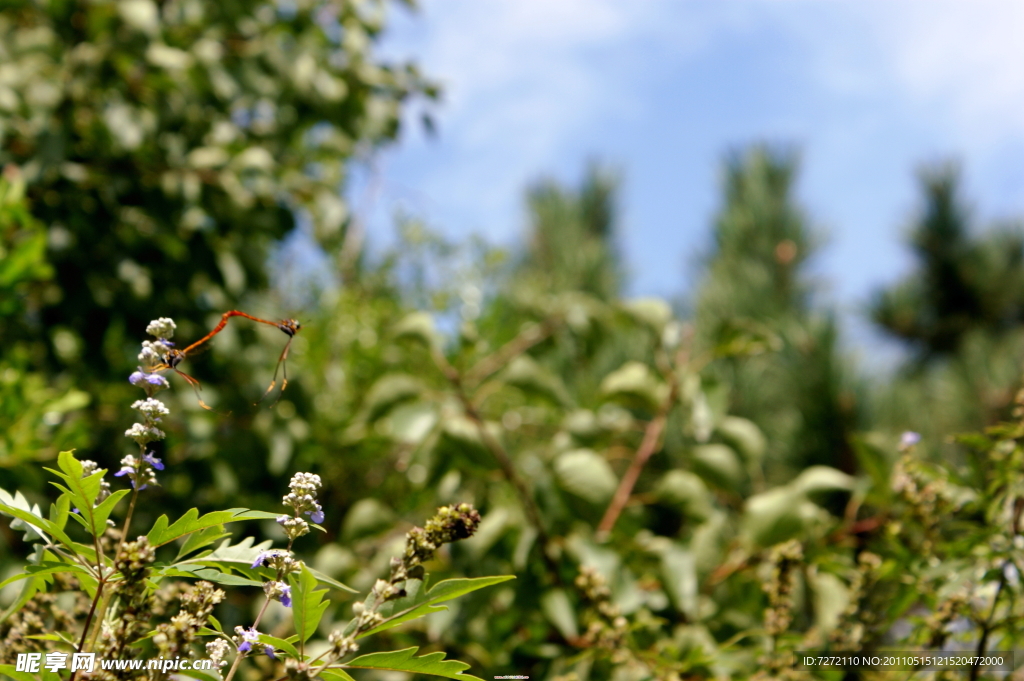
x=986 y=626
x=648 y=445
x=239 y=656
x=102 y=579
x=127 y=520
x=502 y=458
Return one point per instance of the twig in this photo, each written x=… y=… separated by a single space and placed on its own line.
x=500 y=456
x=986 y=626
x=526 y=339
x=239 y=656
x=649 y=445
x=102 y=579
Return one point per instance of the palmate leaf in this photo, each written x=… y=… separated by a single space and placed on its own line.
x=59 y=511
x=82 y=493
x=18 y=501
x=406 y=661
x=418 y=604
x=30 y=589
x=33 y=518
x=164 y=533
x=308 y=603
x=46 y=568
x=201 y=539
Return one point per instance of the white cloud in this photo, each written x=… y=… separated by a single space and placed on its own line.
x=956 y=63
x=526 y=79
x=532 y=86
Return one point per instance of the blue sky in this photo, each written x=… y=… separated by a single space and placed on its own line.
x=661 y=89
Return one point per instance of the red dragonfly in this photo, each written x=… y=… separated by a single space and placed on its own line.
x=174 y=357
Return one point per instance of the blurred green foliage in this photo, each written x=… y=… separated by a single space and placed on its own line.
x=959 y=313
x=756 y=298
x=165 y=148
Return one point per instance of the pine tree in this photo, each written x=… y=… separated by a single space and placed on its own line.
x=959 y=313
x=963 y=282
x=756 y=296
x=570 y=242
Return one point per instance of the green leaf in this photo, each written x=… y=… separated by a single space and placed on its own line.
x=242 y=552
x=744 y=436
x=60 y=510
x=530 y=377
x=679 y=573
x=52 y=637
x=200 y=539
x=586 y=474
x=367 y=517
x=635 y=381
x=687 y=491
x=239 y=557
x=558 y=609
x=9 y=670
x=779 y=514
x=281 y=644
x=418 y=326
x=191 y=522
x=102 y=511
x=419 y=604
x=35 y=519
x=405 y=661
x=324 y=579
x=335 y=674
x=387 y=392
x=207 y=573
x=652 y=312
x=719 y=465
x=19 y=501
x=84 y=491
x=47 y=568
x=308 y=603
x=31 y=588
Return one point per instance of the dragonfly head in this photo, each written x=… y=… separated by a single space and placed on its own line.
x=173 y=358
x=290 y=326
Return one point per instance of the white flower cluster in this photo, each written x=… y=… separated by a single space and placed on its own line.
x=216 y=650
x=144 y=434
x=162 y=328
x=151 y=408
x=302 y=496
x=141 y=470
x=152 y=354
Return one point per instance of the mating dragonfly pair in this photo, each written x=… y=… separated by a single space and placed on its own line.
x=174 y=357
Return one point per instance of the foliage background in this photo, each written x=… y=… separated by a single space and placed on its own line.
x=155 y=155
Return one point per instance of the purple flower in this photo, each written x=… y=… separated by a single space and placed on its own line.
x=249 y=636
x=261 y=557
x=316 y=516
x=139 y=377
x=286 y=597
x=153 y=461
x=269 y=650
x=909 y=438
